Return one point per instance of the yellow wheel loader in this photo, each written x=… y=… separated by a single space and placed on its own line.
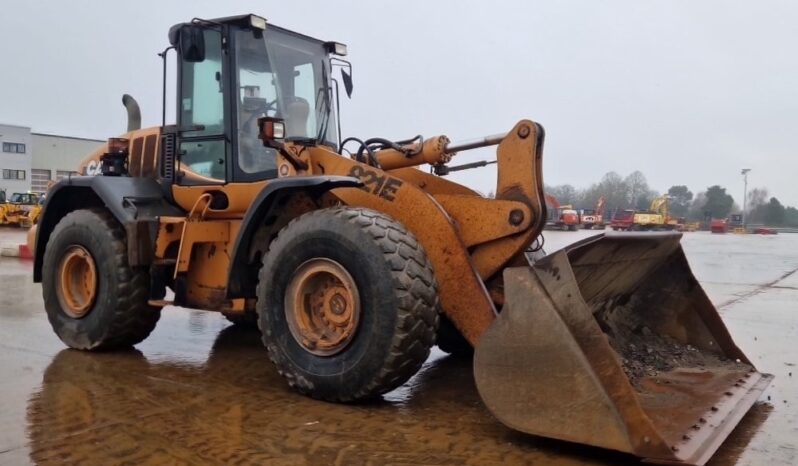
x=3 y=207
x=21 y=210
x=349 y=257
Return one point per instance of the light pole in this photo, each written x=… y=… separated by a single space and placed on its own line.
x=744 y=172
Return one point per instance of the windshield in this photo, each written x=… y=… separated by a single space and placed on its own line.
x=284 y=75
x=21 y=198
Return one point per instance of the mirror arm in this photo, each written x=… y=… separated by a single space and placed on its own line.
x=294 y=160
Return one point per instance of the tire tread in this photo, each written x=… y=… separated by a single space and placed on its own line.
x=133 y=319
x=414 y=285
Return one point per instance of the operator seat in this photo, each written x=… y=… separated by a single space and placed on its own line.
x=297 y=111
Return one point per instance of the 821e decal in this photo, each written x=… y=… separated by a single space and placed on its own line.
x=383 y=186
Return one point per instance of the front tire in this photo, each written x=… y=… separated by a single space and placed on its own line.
x=94 y=299
x=347 y=304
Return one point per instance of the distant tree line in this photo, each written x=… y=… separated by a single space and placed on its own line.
x=769 y=211
x=633 y=192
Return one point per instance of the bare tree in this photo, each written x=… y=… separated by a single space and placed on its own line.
x=696 y=211
x=637 y=187
x=756 y=198
x=565 y=193
x=614 y=190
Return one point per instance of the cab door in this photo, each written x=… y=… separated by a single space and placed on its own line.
x=204 y=133
x=208 y=142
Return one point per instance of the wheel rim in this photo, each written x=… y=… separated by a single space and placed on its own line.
x=77 y=284
x=322 y=307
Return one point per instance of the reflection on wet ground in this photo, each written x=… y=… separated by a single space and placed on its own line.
x=234 y=408
x=201 y=392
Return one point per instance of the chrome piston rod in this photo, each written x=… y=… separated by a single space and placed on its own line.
x=469 y=144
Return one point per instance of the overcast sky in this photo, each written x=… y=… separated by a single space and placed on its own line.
x=688 y=92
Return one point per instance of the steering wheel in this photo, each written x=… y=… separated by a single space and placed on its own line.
x=256 y=113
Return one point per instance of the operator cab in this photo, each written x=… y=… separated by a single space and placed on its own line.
x=24 y=199
x=232 y=71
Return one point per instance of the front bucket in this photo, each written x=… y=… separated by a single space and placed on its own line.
x=612 y=342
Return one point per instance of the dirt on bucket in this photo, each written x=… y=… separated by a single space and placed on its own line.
x=646 y=353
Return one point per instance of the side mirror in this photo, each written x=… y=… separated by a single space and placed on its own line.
x=192 y=43
x=346 y=72
x=347 y=78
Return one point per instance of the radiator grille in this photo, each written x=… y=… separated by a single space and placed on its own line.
x=168 y=142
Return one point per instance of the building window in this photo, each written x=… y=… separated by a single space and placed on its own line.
x=13 y=174
x=61 y=174
x=39 y=179
x=13 y=147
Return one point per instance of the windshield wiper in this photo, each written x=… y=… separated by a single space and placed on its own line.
x=323 y=105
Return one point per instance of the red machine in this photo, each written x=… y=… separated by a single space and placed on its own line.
x=623 y=220
x=561 y=217
x=719 y=225
x=594 y=217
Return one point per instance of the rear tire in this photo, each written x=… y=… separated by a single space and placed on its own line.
x=393 y=312
x=104 y=305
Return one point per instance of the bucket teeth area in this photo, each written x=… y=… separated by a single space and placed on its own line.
x=620 y=325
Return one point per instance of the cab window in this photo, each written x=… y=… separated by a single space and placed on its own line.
x=203 y=147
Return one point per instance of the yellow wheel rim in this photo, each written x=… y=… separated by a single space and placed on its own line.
x=77 y=281
x=322 y=307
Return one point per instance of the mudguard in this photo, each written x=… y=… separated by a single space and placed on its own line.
x=135 y=202
x=261 y=208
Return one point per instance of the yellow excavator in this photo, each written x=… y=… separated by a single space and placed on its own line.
x=354 y=262
x=656 y=218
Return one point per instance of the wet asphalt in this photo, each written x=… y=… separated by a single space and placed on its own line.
x=200 y=391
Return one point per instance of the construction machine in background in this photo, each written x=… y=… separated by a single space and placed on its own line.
x=21 y=210
x=735 y=222
x=644 y=221
x=722 y=225
x=719 y=225
x=560 y=217
x=622 y=220
x=349 y=260
x=593 y=218
x=3 y=206
x=685 y=226
x=656 y=218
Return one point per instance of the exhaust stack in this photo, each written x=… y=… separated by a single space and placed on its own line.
x=133 y=112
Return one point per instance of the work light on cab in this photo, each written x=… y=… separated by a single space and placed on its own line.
x=336 y=48
x=257 y=22
x=272 y=131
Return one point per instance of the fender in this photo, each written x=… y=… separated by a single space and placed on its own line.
x=261 y=208
x=135 y=202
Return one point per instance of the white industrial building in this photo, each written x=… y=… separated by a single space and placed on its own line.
x=15 y=158
x=29 y=161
